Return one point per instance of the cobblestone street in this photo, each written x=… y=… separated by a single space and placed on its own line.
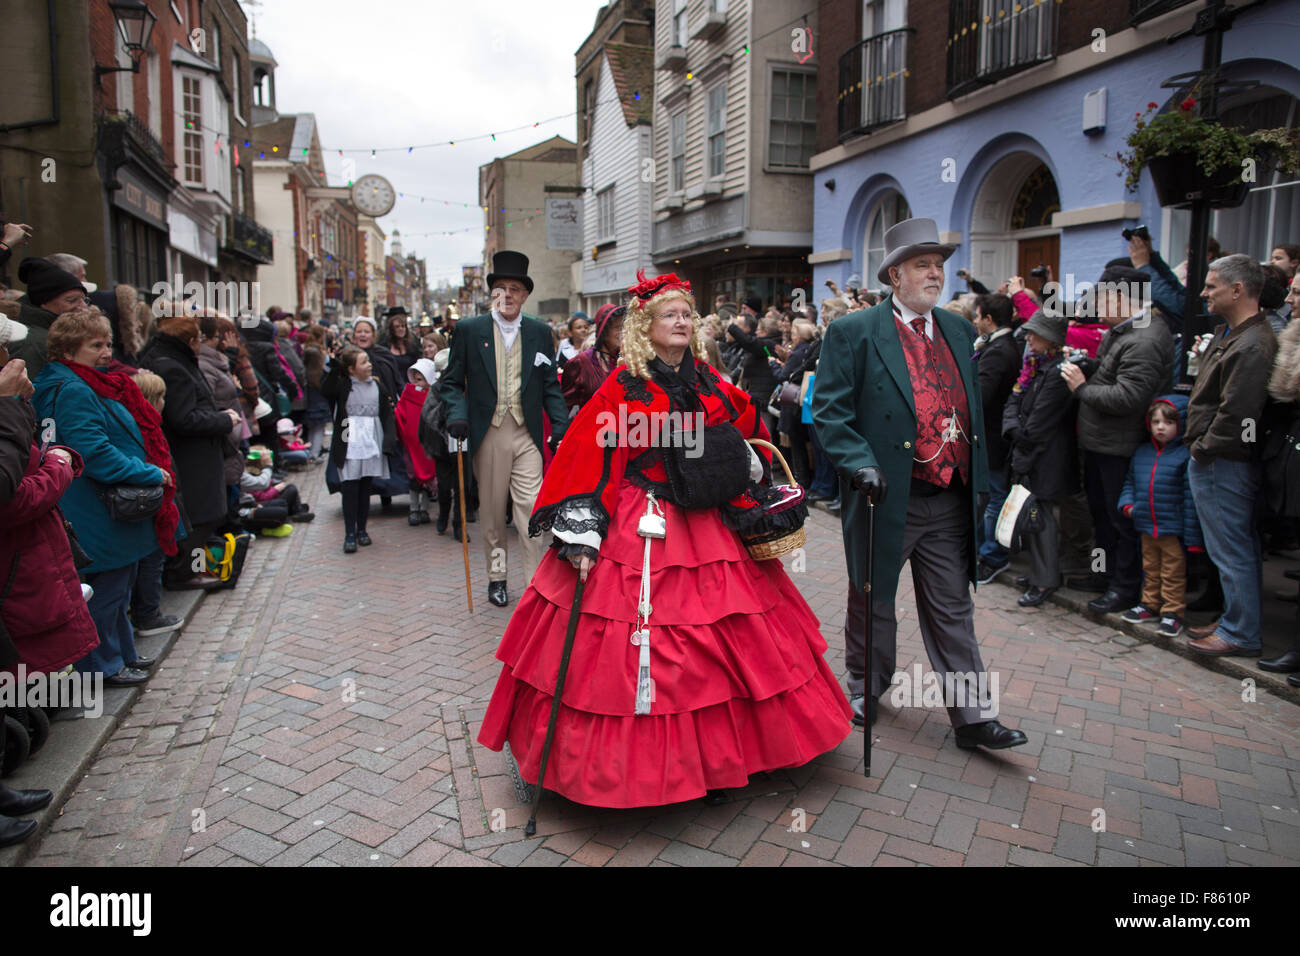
x=324 y=713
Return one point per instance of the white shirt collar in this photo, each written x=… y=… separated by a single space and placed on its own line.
x=909 y=314
x=507 y=328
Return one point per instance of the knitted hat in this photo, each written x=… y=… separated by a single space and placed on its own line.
x=1050 y=327
x=11 y=331
x=45 y=280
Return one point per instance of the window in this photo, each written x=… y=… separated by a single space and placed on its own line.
x=881 y=16
x=588 y=108
x=192 y=145
x=679 y=23
x=1015 y=34
x=677 y=153
x=717 y=130
x=154 y=81
x=125 y=81
x=793 y=136
x=889 y=211
x=605 y=214
x=718 y=6
x=236 y=87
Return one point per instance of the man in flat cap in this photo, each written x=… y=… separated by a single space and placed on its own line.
x=897 y=408
x=500 y=380
x=1134 y=364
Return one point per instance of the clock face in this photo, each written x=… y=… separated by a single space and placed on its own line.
x=373 y=195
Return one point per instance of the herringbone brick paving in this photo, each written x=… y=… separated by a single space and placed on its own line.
x=324 y=713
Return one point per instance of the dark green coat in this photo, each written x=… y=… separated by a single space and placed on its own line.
x=468 y=386
x=864 y=413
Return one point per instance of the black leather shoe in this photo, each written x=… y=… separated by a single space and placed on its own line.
x=413 y=518
x=14 y=803
x=15 y=831
x=1293 y=680
x=126 y=677
x=441 y=526
x=424 y=517
x=349 y=545
x=990 y=735
x=1022 y=581
x=1287 y=663
x=1035 y=596
x=716 y=798
x=1112 y=600
x=1096 y=583
x=857 y=704
x=497 y=593
x=363 y=539
x=144 y=663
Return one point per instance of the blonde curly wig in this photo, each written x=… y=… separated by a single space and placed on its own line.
x=637 y=351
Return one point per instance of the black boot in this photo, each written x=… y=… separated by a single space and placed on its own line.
x=15 y=803
x=15 y=831
x=443 y=515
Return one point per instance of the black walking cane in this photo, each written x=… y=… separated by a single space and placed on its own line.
x=866 y=703
x=531 y=828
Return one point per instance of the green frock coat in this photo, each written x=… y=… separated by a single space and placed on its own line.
x=864 y=413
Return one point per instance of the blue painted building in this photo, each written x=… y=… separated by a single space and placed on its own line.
x=1007 y=139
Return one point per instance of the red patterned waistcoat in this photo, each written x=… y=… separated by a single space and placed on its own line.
x=937 y=390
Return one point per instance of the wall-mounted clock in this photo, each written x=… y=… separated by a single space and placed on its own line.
x=374 y=195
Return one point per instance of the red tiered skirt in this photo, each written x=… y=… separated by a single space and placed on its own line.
x=741 y=685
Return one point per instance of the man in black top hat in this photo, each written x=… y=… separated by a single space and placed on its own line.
x=500 y=379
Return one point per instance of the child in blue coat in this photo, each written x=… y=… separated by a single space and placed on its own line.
x=1158 y=497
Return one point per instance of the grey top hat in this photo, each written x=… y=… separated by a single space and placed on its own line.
x=1050 y=327
x=908 y=239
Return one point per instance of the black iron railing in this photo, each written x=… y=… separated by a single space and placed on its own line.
x=990 y=39
x=251 y=240
x=114 y=127
x=1141 y=10
x=873 y=83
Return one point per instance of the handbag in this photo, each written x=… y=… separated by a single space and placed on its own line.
x=131 y=503
x=283 y=404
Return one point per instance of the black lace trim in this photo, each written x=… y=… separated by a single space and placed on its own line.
x=754 y=524
x=660 y=488
x=555 y=516
x=635 y=389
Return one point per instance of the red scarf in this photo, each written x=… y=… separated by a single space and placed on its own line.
x=120 y=387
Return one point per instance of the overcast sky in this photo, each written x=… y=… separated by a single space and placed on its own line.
x=391 y=73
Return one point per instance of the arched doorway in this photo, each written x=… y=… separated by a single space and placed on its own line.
x=1011 y=229
x=889 y=210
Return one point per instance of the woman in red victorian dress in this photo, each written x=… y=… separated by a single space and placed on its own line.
x=737 y=680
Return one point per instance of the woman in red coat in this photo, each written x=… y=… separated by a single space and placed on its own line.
x=731 y=680
x=43 y=609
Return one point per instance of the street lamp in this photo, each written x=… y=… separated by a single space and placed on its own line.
x=135 y=23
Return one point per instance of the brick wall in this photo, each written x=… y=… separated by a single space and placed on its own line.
x=840 y=23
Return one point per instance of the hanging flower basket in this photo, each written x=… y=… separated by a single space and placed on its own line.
x=1192 y=158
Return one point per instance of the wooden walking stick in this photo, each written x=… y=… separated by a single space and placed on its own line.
x=531 y=828
x=460 y=444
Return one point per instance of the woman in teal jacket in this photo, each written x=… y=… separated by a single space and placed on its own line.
x=75 y=409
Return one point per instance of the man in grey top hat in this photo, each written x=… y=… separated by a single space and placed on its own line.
x=897 y=408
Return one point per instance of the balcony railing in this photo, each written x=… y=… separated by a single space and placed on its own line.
x=249 y=239
x=873 y=83
x=990 y=39
x=1141 y=10
x=114 y=128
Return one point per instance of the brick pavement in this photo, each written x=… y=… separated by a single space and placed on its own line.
x=324 y=714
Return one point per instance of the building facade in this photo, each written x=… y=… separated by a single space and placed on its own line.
x=1008 y=139
x=734 y=130
x=615 y=74
x=513 y=191
x=136 y=172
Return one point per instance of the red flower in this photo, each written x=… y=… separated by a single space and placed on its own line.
x=1187 y=104
x=1152 y=106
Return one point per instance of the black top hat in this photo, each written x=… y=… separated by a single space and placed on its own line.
x=396 y=310
x=510 y=265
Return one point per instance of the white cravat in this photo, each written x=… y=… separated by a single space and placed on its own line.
x=508 y=329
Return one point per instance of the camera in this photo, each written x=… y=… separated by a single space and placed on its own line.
x=1040 y=272
x=1139 y=231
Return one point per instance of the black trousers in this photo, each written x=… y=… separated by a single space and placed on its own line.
x=356 y=505
x=1103 y=479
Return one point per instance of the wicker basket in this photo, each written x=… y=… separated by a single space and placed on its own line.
x=763 y=547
